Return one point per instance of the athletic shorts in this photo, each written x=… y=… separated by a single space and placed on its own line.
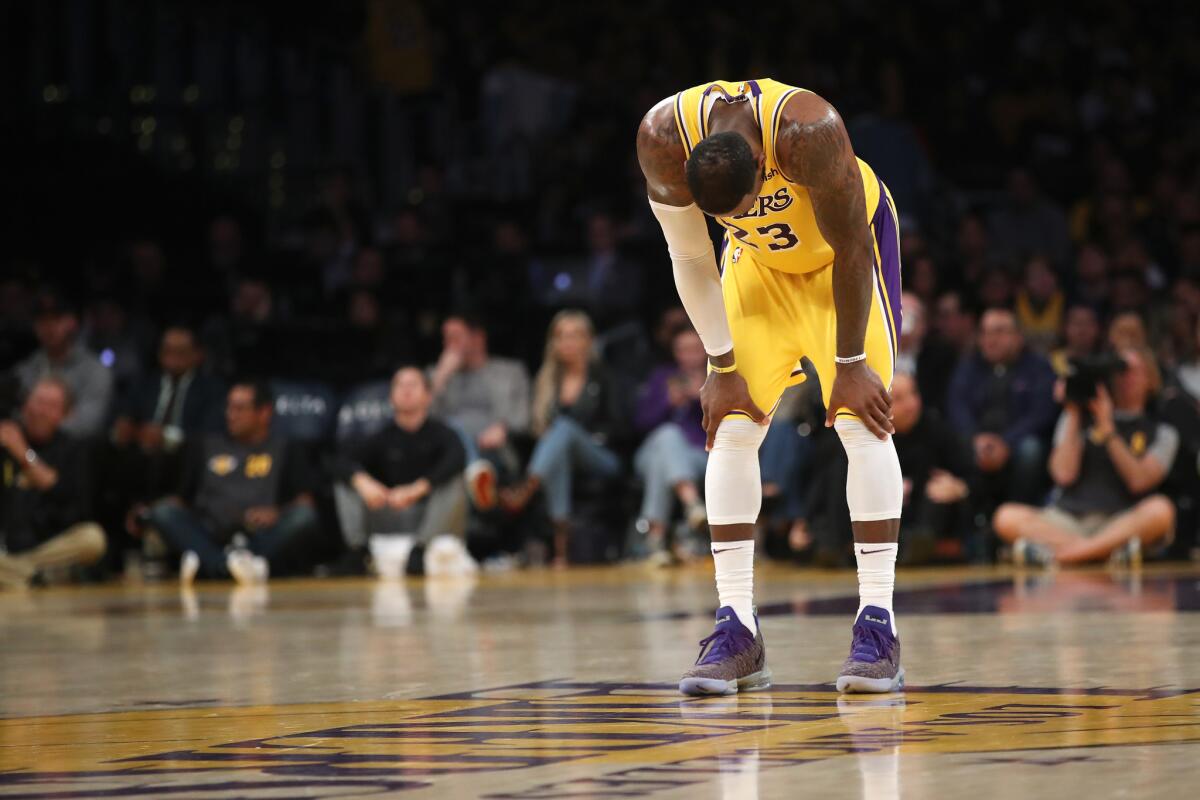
x=776 y=318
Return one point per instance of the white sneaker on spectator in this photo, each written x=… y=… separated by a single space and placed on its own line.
x=1031 y=554
x=189 y=565
x=390 y=552
x=481 y=484
x=246 y=568
x=446 y=555
x=697 y=516
x=1128 y=554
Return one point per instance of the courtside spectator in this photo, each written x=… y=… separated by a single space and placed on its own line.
x=486 y=398
x=90 y=383
x=1108 y=459
x=924 y=354
x=44 y=489
x=173 y=402
x=954 y=323
x=408 y=476
x=241 y=482
x=1002 y=399
x=671 y=460
x=158 y=415
x=577 y=417
x=936 y=469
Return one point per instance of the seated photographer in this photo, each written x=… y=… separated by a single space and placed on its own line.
x=244 y=481
x=43 y=490
x=1110 y=454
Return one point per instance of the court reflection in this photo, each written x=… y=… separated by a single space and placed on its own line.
x=875 y=729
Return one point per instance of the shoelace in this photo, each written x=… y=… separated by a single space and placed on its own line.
x=725 y=644
x=870 y=645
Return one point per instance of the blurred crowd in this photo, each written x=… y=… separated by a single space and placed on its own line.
x=489 y=362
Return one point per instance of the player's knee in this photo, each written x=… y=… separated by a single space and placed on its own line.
x=739 y=433
x=1009 y=520
x=1159 y=513
x=874 y=483
x=733 y=490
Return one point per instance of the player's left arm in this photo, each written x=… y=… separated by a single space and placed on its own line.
x=814 y=151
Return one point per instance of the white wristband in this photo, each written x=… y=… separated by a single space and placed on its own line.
x=851 y=359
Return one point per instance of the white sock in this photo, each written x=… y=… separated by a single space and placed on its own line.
x=876 y=576
x=735 y=578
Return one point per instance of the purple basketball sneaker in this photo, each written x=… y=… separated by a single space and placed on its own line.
x=731 y=660
x=874 y=662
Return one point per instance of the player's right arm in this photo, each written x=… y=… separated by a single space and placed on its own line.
x=660 y=154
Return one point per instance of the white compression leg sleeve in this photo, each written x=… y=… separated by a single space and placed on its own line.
x=733 y=495
x=874 y=483
x=874 y=491
x=732 y=486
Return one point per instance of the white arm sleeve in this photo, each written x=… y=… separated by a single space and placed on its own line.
x=696 y=276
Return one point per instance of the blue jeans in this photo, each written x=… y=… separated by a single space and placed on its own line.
x=783 y=457
x=665 y=460
x=564 y=448
x=182 y=530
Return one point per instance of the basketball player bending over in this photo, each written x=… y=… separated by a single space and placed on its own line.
x=810 y=266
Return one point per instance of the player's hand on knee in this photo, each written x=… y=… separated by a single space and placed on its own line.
x=722 y=394
x=858 y=389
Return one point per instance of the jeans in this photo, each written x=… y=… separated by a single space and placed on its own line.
x=444 y=510
x=783 y=458
x=664 y=460
x=1021 y=480
x=564 y=448
x=183 y=530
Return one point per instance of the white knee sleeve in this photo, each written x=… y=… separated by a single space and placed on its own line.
x=874 y=483
x=732 y=486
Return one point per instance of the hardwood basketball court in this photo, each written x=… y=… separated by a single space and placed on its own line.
x=562 y=685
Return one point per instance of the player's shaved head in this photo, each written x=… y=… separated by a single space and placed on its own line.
x=721 y=172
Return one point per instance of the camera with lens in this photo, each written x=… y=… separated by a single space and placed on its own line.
x=1087 y=374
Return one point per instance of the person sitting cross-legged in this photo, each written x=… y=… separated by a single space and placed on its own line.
x=407 y=478
x=1108 y=458
x=43 y=490
x=244 y=481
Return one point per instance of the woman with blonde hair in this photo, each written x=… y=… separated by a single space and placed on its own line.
x=576 y=417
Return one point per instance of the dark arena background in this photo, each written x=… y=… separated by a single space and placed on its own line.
x=350 y=429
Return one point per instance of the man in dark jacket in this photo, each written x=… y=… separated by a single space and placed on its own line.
x=43 y=490
x=244 y=481
x=158 y=415
x=1002 y=399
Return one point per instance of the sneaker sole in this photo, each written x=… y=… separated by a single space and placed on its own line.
x=714 y=687
x=855 y=683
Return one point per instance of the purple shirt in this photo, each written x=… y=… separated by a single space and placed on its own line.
x=654 y=407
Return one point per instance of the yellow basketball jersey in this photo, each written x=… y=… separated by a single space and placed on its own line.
x=780 y=231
